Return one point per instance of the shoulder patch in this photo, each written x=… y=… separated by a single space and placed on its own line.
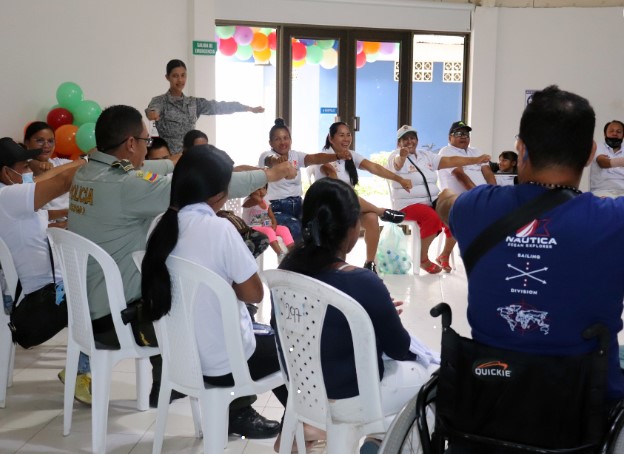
x=124 y=164
x=148 y=176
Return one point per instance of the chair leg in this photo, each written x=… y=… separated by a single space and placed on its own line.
x=101 y=376
x=196 y=417
x=214 y=416
x=6 y=369
x=143 y=383
x=161 y=417
x=11 y=366
x=71 y=368
x=290 y=429
x=342 y=439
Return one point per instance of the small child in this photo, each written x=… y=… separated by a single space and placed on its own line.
x=258 y=215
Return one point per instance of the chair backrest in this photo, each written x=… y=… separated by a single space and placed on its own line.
x=235 y=206
x=300 y=304
x=176 y=330
x=73 y=251
x=486 y=393
x=8 y=268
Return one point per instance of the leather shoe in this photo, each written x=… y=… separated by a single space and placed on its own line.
x=153 y=397
x=248 y=423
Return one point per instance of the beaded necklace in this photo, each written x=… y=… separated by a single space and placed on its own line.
x=556 y=186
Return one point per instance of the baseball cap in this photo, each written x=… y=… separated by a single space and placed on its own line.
x=11 y=152
x=404 y=130
x=459 y=125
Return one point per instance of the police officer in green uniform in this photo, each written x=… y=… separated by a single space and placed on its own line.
x=113 y=201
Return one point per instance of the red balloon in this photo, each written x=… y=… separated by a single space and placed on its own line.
x=65 y=137
x=360 y=60
x=59 y=117
x=272 y=40
x=228 y=47
x=298 y=51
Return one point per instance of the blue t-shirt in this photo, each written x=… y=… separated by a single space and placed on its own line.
x=337 y=358
x=538 y=289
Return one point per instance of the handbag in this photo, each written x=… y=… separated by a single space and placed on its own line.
x=40 y=315
x=256 y=241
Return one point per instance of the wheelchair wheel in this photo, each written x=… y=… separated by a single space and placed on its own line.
x=402 y=436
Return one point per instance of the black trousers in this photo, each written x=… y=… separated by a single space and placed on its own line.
x=263 y=362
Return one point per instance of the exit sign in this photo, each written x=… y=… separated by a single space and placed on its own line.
x=204 y=48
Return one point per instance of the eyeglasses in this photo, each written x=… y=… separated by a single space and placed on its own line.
x=460 y=134
x=41 y=142
x=148 y=140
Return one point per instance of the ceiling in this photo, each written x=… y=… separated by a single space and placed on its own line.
x=540 y=3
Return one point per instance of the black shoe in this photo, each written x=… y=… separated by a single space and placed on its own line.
x=249 y=423
x=153 y=397
x=393 y=216
x=371 y=266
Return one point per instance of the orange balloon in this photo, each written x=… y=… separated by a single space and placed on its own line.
x=65 y=137
x=262 y=56
x=259 y=42
x=371 y=47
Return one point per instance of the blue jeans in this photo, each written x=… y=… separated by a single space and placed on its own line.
x=288 y=212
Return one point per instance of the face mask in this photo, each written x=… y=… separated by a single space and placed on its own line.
x=27 y=178
x=613 y=143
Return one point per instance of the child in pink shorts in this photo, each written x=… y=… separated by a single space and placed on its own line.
x=258 y=215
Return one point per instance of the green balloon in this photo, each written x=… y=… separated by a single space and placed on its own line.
x=226 y=32
x=85 y=137
x=69 y=95
x=325 y=43
x=267 y=31
x=244 y=52
x=86 y=112
x=314 y=55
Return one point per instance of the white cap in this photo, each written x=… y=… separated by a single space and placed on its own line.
x=404 y=130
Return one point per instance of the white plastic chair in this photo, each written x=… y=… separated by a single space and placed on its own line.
x=72 y=252
x=415 y=237
x=300 y=304
x=236 y=207
x=7 y=347
x=181 y=365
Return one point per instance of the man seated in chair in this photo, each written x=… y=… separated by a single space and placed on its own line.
x=114 y=200
x=534 y=291
x=23 y=223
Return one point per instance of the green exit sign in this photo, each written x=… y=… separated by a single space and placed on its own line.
x=204 y=48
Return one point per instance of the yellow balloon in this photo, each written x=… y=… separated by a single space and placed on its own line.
x=330 y=59
x=298 y=63
x=262 y=56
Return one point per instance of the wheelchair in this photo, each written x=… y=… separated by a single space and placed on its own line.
x=485 y=400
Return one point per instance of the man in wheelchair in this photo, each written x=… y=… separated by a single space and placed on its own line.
x=544 y=264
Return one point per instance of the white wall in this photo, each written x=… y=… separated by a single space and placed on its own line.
x=115 y=50
x=578 y=49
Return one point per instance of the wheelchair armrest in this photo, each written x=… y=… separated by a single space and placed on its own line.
x=444 y=310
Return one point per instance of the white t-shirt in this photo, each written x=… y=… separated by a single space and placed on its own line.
x=62 y=201
x=445 y=176
x=505 y=179
x=606 y=182
x=213 y=242
x=428 y=163
x=339 y=167
x=24 y=231
x=285 y=188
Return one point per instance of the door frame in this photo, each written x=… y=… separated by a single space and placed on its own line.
x=348 y=38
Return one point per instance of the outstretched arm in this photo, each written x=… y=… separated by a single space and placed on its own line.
x=382 y=172
x=448 y=162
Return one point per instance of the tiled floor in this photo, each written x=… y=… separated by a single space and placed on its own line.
x=32 y=420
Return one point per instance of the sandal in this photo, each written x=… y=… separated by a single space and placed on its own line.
x=394 y=216
x=430 y=267
x=443 y=261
